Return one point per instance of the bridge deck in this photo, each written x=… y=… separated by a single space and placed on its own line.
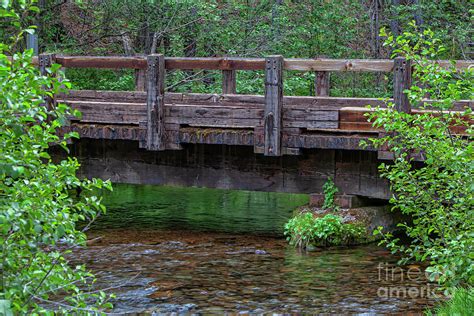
x=308 y=122
x=273 y=124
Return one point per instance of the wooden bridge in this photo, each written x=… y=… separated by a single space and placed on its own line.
x=272 y=124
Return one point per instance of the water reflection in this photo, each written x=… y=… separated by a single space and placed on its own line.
x=164 y=207
x=182 y=250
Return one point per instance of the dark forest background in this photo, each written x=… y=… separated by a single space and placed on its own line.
x=294 y=29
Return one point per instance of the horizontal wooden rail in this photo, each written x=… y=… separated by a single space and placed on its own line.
x=234 y=63
x=279 y=124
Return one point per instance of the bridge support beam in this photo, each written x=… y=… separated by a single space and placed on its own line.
x=45 y=61
x=155 y=87
x=322 y=82
x=229 y=82
x=273 y=105
x=401 y=81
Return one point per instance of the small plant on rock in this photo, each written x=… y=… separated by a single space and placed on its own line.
x=330 y=190
x=306 y=229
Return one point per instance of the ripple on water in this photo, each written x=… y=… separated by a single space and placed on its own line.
x=178 y=271
x=183 y=250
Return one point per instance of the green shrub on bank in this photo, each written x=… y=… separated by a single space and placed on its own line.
x=38 y=213
x=438 y=194
x=306 y=229
x=460 y=304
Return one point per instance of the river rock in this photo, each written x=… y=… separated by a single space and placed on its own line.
x=371 y=217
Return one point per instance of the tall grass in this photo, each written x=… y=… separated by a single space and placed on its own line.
x=460 y=304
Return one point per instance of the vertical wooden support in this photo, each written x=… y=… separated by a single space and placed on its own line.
x=321 y=83
x=140 y=79
x=401 y=82
x=273 y=105
x=155 y=101
x=228 y=82
x=45 y=61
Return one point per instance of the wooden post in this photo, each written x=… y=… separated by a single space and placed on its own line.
x=401 y=82
x=140 y=79
x=228 y=81
x=273 y=105
x=45 y=61
x=321 y=83
x=155 y=101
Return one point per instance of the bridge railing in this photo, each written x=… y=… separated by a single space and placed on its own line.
x=269 y=126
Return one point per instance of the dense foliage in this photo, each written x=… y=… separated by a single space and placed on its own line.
x=39 y=211
x=438 y=193
x=300 y=29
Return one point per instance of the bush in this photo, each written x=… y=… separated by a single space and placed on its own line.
x=38 y=213
x=437 y=194
x=306 y=229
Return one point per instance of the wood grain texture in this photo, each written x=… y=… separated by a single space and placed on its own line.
x=155 y=102
x=236 y=63
x=401 y=82
x=273 y=105
x=231 y=167
x=322 y=83
x=229 y=82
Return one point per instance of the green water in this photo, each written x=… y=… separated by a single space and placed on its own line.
x=201 y=209
x=164 y=250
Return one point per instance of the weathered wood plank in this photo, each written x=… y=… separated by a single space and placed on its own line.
x=216 y=136
x=213 y=111
x=111 y=62
x=401 y=82
x=322 y=64
x=310 y=114
x=321 y=83
x=140 y=80
x=106 y=131
x=45 y=61
x=285 y=151
x=273 y=105
x=235 y=63
x=216 y=63
x=357 y=126
x=330 y=103
x=229 y=80
x=155 y=101
x=214 y=122
x=107 y=112
x=312 y=124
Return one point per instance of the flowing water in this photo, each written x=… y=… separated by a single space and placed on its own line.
x=190 y=250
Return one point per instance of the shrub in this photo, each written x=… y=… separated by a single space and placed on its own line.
x=38 y=213
x=439 y=193
x=306 y=229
